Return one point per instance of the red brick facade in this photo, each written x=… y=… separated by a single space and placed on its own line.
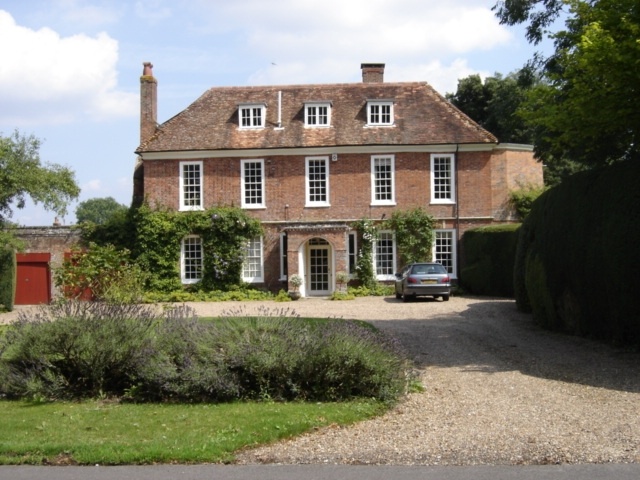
x=424 y=124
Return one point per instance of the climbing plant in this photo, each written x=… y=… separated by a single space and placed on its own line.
x=224 y=233
x=414 y=231
x=368 y=233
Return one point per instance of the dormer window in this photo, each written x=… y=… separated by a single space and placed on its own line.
x=252 y=115
x=379 y=112
x=317 y=114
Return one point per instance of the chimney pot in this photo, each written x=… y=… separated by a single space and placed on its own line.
x=372 y=72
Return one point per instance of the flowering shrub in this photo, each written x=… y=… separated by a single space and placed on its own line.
x=82 y=349
x=364 y=261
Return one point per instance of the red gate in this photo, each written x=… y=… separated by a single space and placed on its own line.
x=33 y=279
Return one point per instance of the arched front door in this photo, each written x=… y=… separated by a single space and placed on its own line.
x=319 y=261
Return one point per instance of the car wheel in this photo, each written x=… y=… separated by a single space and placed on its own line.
x=407 y=298
x=445 y=298
x=398 y=296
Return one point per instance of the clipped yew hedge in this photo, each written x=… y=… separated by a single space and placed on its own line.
x=489 y=260
x=7 y=278
x=578 y=256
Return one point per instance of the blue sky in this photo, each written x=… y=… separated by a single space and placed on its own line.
x=70 y=69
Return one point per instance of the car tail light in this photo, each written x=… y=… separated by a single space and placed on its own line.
x=412 y=280
x=445 y=280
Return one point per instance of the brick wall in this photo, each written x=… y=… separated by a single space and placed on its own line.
x=53 y=240
x=349 y=186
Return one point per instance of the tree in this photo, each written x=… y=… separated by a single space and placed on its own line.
x=23 y=176
x=494 y=103
x=497 y=105
x=586 y=108
x=99 y=210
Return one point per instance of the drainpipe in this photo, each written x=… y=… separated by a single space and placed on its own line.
x=457 y=220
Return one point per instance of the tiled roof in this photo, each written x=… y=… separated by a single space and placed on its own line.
x=422 y=117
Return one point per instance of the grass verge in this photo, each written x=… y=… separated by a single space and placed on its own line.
x=110 y=433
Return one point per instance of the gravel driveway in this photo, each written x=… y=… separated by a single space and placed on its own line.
x=498 y=390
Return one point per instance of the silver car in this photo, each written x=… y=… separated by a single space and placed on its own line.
x=423 y=279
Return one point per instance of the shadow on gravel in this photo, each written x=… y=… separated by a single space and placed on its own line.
x=495 y=337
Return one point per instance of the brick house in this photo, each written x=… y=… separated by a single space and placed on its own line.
x=309 y=160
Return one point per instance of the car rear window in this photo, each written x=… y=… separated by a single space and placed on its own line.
x=428 y=269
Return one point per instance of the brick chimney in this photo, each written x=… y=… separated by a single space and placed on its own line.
x=148 y=102
x=372 y=72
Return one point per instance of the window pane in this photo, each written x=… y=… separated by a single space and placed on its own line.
x=252 y=266
x=383 y=179
x=443 y=251
x=317 y=172
x=253 y=183
x=384 y=254
x=442 y=178
x=192 y=259
x=191 y=185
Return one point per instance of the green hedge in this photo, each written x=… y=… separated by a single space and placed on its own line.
x=578 y=259
x=7 y=278
x=489 y=259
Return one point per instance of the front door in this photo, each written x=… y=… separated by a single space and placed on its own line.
x=319 y=267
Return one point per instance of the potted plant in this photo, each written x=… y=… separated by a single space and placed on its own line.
x=295 y=281
x=342 y=279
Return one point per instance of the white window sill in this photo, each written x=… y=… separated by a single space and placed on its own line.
x=317 y=205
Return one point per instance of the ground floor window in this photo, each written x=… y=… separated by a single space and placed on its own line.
x=385 y=253
x=191 y=259
x=444 y=249
x=352 y=253
x=252 y=268
x=284 y=245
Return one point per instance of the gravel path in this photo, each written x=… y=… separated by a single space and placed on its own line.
x=498 y=390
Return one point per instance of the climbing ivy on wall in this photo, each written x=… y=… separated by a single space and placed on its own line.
x=368 y=233
x=414 y=230
x=155 y=238
x=224 y=232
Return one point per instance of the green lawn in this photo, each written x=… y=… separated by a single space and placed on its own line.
x=109 y=433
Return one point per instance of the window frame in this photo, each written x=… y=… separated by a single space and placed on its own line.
x=251 y=107
x=394 y=256
x=307 y=114
x=243 y=184
x=352 y=253
x=451 y=199
x=254 y=278
x=375 y=179
x=184 y=258
x=452 y=265
x=284 y=267
x=380 y=104
x=182 y=197
x=307 y=193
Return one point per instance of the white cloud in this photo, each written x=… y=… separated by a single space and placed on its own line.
x=152 y=11
x=326 y=40
x=46 y=78
x=93 y=186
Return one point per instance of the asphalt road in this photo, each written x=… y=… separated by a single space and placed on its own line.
x=324 y=472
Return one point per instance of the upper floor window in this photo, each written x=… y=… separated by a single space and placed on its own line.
x=379 y=112
x=317 y=114
x=444 y=249
x=317 y=178
x=252 y=270
x=191 y=259
x=442 y=178
x=252 y=173
x=252 y=115
x=191 y=186
x=382 y=180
